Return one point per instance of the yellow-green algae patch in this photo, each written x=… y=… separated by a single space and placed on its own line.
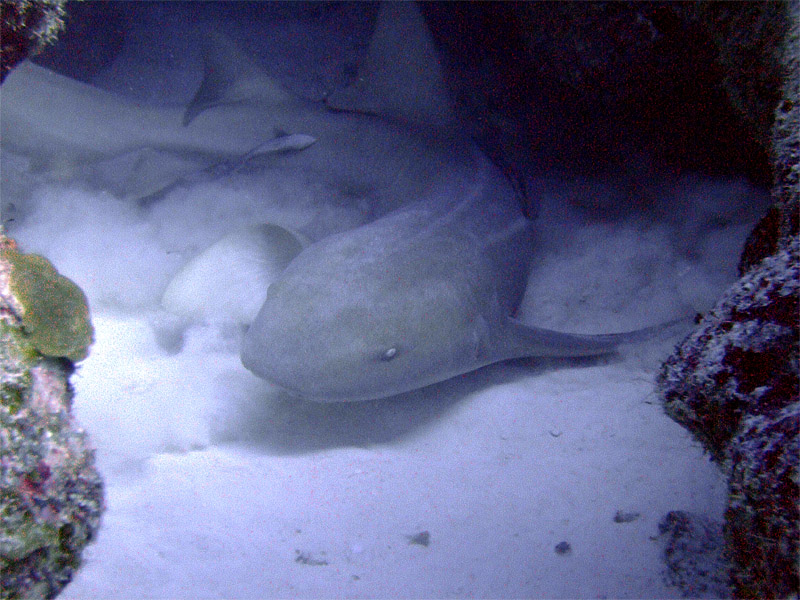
x=55 y=320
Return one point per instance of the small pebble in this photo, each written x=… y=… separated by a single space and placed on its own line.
x=563 y=548
x=306 y=558
x=625 y=517
x=423 y=538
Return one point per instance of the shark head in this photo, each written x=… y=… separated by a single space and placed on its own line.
x=353 y=318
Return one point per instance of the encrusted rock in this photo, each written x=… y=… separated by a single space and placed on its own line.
x=51 y=495
x=53 y=311
x=734 y=384
x=782 y=222
x=743 y=359
x=694 y=555
x=27 y=26
x=762 y=519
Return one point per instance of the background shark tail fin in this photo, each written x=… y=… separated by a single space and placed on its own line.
x=401 y=76
x=230 y=77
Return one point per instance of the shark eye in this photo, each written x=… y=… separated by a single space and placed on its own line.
x=389 y=354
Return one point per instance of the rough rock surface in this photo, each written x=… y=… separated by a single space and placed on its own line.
x=782 y=222
x=26 y=27
x=762 y=519
x=693 y=555
x=51 y=495
x=734 y=384
x=742 y=360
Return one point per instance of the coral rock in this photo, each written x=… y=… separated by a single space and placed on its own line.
x=51 y=495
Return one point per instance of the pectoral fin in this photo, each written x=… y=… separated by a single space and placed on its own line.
x=523 y=340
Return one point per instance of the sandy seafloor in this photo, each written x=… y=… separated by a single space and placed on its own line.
x=220 y=486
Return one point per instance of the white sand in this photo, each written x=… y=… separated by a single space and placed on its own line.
x=498 y=467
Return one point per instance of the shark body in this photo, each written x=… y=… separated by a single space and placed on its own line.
x=239 y=117
x=414 y=298
x=422 y=292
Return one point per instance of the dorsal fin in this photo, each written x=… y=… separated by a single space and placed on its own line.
x=401 y=76
x=230 y=77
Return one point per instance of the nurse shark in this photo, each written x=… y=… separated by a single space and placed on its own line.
x=414 y=298
x=422 y=292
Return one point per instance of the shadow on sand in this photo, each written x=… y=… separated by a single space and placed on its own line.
x=278 y=423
